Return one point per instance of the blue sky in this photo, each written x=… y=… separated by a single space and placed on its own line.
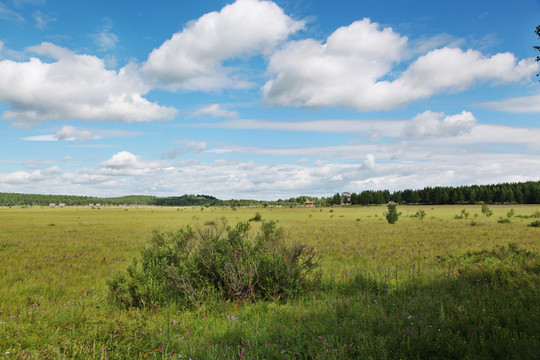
x=266 y=100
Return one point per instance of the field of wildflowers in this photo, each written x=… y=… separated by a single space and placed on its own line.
x=448 y=283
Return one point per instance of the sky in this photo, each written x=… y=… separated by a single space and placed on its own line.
x=266 y=100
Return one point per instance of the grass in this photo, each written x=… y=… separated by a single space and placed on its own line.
x=434 y=287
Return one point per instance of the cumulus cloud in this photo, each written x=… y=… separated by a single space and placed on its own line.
x=215 y=111
x=21 y=177
x=436 y=124
x=452 y=69
x=355 y=68
x=192 y=58
x=74 y=87
x=340 y=72
x=125 y=163
x=122 y=160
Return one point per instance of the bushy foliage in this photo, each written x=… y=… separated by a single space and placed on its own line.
x=534 y=224
x=190 y=266
x=392 y=215
x=464 y=215
x=486 y=210
x=421 y=214
x=257 y=217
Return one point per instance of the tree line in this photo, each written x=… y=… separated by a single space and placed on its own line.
x=506 y=193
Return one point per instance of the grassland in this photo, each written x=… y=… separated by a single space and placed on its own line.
x=439 y=287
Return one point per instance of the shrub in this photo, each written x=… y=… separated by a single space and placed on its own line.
x=189 y=267
x=486 y=210
x=392 y=215
x=535 y=224
x=510 y=213
x=421 y=214
x=257 y=217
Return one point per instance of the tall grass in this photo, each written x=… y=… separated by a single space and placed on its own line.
x=434 y=287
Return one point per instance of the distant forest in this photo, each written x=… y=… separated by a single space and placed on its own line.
x=507 y=193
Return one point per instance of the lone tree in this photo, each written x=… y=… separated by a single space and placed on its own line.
x=392 y=215
x=537 y=48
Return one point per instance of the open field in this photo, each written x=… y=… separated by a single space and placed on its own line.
x=414 y=289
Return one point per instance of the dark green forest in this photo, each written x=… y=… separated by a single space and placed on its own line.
x=506 y=193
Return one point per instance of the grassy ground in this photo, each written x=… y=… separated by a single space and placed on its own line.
x=414 y=289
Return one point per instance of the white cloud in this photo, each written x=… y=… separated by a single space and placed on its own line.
x=21 y=177
x=354 y=68
x=340 y=72
x=122 y=160
x=452 y=69
x=215 y=111
x=188 y=147
x=125 y=163
x=192 y=58
x=436 y=124
x=42 y=20
x=195 y=146
x=8 y=14
x=369 y=163
x=469 y=158
x=428 y=123
x=69 y=133
x=35 y=164
x=53 y=170
x=74 y=87
x=105 y=39
x=368 y=127
x=524 y=104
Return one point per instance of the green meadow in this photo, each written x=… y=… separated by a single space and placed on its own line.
x=451 y=284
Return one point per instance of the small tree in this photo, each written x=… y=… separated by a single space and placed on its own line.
x=392 y=215
x=486 y=210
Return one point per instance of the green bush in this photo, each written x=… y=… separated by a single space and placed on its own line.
x=257 y=217
x=392 y=215
x=189 y=267
x=486 y=210
x=535 y=224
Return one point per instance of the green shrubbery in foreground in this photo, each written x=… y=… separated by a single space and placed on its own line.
x=187 y=267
